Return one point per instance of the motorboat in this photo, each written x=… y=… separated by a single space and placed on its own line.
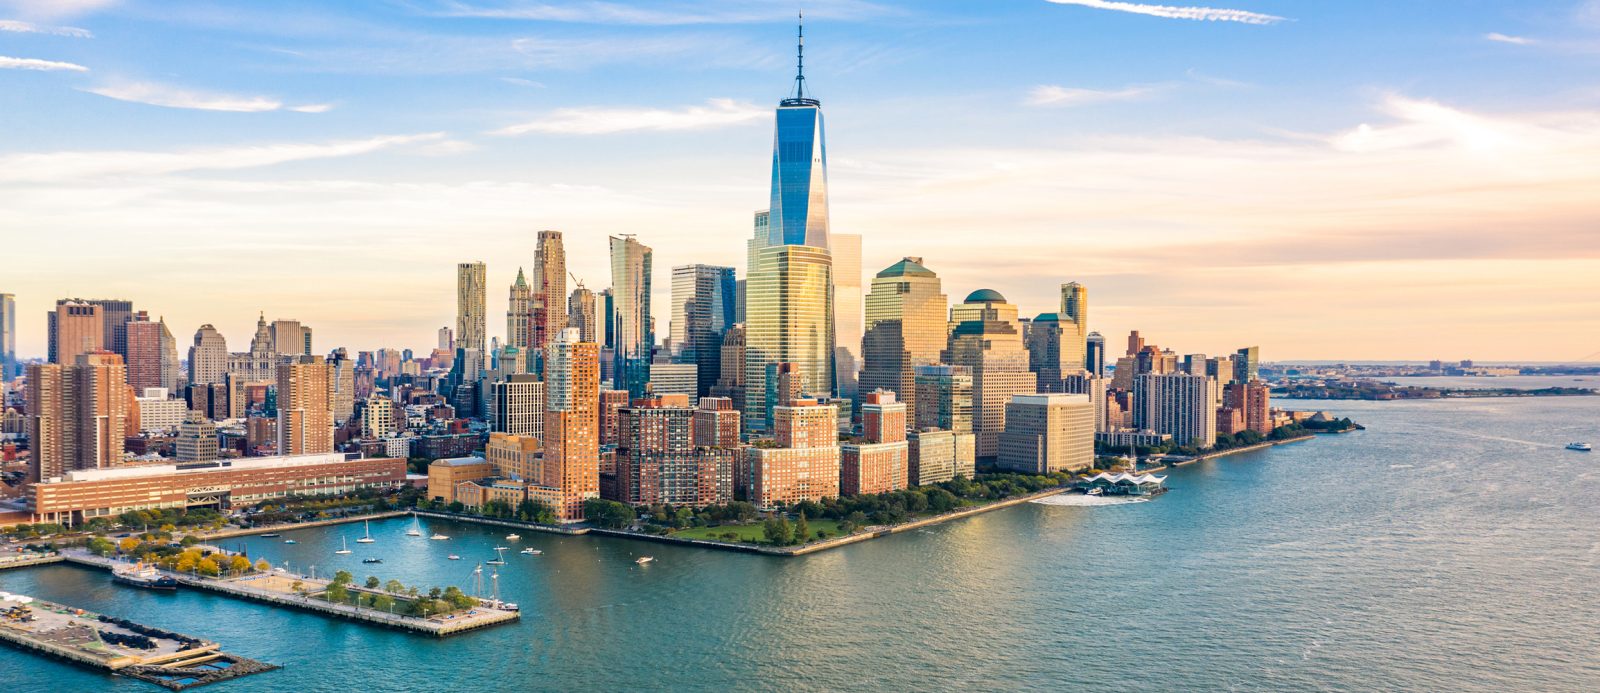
x=530 y=551
x=454 y=557
x=290 y=541
x=344 y=551
x=644 y=559
x=513 y=536
x=1580 y=447
x=367 y=538
x=372 y=560
x=1094 y=492
x=141 y=575
x=271 y=536
x=439 y=537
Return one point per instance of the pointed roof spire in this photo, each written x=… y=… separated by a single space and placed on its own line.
x=799 y=98
x=520 y=280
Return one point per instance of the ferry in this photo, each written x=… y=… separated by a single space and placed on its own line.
x=1580 y=447
x=643 y=559
x=141 y=575
x=530 y=551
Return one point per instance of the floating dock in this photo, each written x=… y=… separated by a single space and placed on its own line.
x=119 y=646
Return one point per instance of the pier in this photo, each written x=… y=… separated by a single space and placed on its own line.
x=280 y=588
x=23 y=560
x=118 y=646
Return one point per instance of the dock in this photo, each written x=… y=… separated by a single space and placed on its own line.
x=118 y=646
x=280 y=588
x=23 y=560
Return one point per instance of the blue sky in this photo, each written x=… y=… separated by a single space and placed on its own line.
x=1207 y=172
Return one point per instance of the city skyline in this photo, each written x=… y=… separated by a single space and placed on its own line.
x=1297 y=226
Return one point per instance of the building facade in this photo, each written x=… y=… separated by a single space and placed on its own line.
x=1047 y=433
x=471 y=308
x=905 y=329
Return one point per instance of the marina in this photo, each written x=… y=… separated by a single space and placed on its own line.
x=119 y=646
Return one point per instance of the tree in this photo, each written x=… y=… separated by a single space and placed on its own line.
x=802 y=530
x=240 y=565
x=383 y=602
x=777 y=531
x=127 y=545
x=208 y=566
x=103 y=547
x=433 y=593
x=394 y=587
x=373 y=582
x=263 y=566
x=607 y=514
x=343 y=577
x=336 y=592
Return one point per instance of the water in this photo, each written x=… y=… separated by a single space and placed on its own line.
x=1517 y=382
x=1453 y=545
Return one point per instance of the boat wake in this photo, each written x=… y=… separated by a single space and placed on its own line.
x=1078 y=500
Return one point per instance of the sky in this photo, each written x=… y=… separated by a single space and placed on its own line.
x=1362 y=179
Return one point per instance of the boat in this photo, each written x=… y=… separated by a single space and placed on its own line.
x=416 y=527
x=499 y=556
x=513 y=536
x=271 y=536
x=367 y=539
x=290 y=541
x=1093 y=492
x=438 y=537
x=644 y=559
x=454 y=557
x=1580 y=447
x=141 y=575
x=530 y=551
x=372 y=560
x=346 y=545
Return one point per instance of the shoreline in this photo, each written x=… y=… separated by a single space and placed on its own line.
x=1234 y=451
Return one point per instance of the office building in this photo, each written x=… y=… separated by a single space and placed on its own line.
x=986 y=337
x=197 y=439
x=519 y=314
x=152 y=358
x=9 y=367
x=1054 y=351
x=519 y=406
x=1094 y=354
x=674 y=379
x=549 y=290
x=158 y=412
x=1094 y=387
x=804 y=466
x=305 y=422
x=790 y=320
x=519 y=458
x=631 y=330
x=1247 y=364
x=1178 y=404
x=848 y=323
x=1047 y=433
x=471 y=311
x=447 y=337
x=208 y=357
x=702 y=312
x=905 y=329
x=290 y=338
x=947 y=392
x=341 y=386
x=731 y=375
x=572 y=420
x=75 y=328
x=581 y=313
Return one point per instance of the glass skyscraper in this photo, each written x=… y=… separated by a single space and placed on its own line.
x=631 y=330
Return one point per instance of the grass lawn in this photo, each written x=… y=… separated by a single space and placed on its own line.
x=751 y=531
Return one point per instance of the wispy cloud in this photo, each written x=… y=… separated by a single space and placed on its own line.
x=657 y=13
x=522 y=82
x=77 y=166
x=604 y=121
x=177 y=97
x=9 y=63
x=20 y=27
x=1203 y=14
x=49 y=9
x=1053 y=95
x=1506 y=38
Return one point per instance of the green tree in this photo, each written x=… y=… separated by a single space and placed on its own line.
x=383 y=602
x=777 y=531
x=336 y=592
x=373 y=582
x=394 y=587
x=607 y=514
x=802 y=530
x=343 y=577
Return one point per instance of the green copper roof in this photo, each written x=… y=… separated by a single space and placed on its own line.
x=985 y=296
x=906 y=268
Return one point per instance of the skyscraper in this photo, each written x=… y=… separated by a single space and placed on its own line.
x=305 y=421
x=341 y=386
x=945 y=392
x=631 y=334
x=1055 y=350
x=572 y=422
x=985 y=336
x=1178 y=404
x=581 y=313
x=75 y=327
x=1094 y=354
x=152 y=355
x=8 y=337
x=519 y=314
x=290 y=338
x=847 y=315
x=1075 y=310
x=1047 y=433
x=78 y=414
x=702 y=311
x=1247 y=364
x=549 y=289
x=260 y=363
x=208 y=358
x=798 y=214
x=471 y=331
x=905 y=329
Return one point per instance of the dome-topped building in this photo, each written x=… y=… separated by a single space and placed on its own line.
x=985 y=296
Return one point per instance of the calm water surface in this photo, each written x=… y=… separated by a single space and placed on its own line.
x=1453 y=545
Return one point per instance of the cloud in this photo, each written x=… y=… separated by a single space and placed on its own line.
x=178 y=97
x=21 y=27
x=523 y=82
x=50 y=9
x=1504 y=38
x=76 y=166
x=1052 y=95
x=658 y=13
x=604 y=121
x=9 y=63
x=1206 y=14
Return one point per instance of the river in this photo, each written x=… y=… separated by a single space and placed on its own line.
x=1452 y=545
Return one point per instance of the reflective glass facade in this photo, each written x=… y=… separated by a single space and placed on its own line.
x=789 y=319
x=799 y=211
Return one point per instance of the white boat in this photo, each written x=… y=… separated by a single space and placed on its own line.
x=513 y=536
x=346 y=546
x=499 y=557
x=1093 y=492
x=367 y=538
x=438 y=537
x=416 y=527
x=454 y=557
x=644 y=559
x=530 y=551
x=290 y=541
x=1580 y=447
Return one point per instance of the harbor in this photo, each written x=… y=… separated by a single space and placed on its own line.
x=118 y=646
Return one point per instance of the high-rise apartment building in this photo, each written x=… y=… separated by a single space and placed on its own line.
x=805 y=465
x=471 y=310
x=702 y=312
x=986 y=337
x=848 y=309
x=1253 y=402
x=341 y=386
x=611 y=402
x=658 y=461
x=79 y=414
x=878 y=464
x=290 y=337
x=905 y=329
x=152 y=359
x=572 y=422
x=519 y=406
x=519 y=314
x=937 y=456
x=581 y=313
x=1048 y=433
x=631 y=330
x=305 y=421
x=76 y=327
x=447 y=336
x=731 y=375
x=8 y=337
x=208 y=357
x=549 y=290
x=377 y=418
x=716 y=423
x=1178 y=404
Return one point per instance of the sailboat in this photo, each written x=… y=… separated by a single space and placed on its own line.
x=416 y=527
x=368 y=538
x=499 y=556
x=345 y=544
